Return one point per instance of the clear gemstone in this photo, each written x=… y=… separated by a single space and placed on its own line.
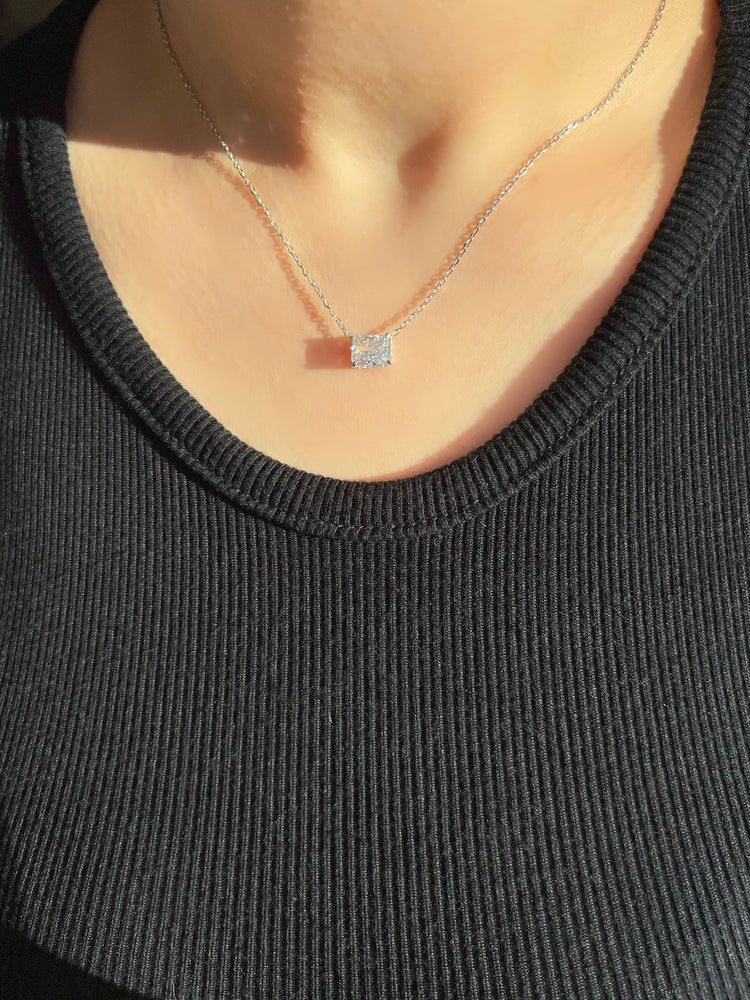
x=372 y=350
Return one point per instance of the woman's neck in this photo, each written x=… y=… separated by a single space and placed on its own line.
x=382 y=84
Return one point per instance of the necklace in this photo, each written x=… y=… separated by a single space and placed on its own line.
x=375 y=350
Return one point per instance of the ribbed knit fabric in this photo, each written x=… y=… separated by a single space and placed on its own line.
x=480 y=734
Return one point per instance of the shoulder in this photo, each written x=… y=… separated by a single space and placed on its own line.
x=29 y=67
x=21 y=61
x=34 y=64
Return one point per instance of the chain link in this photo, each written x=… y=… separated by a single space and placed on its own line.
x=465 y=246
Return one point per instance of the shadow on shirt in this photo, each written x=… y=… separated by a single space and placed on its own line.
x=29 y=973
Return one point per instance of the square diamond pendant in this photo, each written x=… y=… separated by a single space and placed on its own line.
x=372 y=350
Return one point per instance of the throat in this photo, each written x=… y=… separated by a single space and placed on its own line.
x=388 y=86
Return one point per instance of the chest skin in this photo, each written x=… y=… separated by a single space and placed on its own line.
x=224 y=307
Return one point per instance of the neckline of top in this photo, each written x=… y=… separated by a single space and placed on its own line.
x=465 y=487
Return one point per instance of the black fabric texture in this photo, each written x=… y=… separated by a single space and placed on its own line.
x=478 y=734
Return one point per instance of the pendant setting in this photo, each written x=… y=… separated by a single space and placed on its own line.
x=372 y=350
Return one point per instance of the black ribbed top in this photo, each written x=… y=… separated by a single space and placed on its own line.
x=478 y=734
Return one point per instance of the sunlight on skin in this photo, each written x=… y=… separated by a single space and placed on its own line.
x=375 y=132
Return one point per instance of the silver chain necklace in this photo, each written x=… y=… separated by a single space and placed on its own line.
x=375 y=350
